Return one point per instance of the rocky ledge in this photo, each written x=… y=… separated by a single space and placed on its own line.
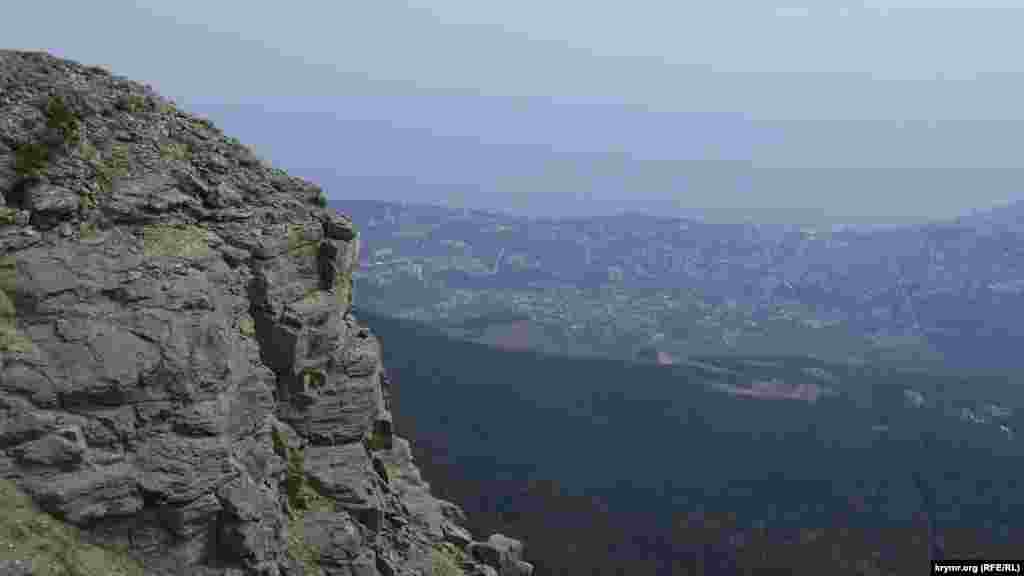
x=183 y=385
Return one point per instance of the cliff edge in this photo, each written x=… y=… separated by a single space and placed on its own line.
x=183 y=386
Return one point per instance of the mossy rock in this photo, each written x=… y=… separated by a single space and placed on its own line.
x=343 y=290
x=185 y=241
x=8 y=274
x=312 y=378
x=299 y=245
x=302 y=495
x=13 y=340
x=31 y=158
x=247 y=326
x=7 y=216
x=377 y=442
x=88 y=151
x=175 y=151
x=52 y=547
x=134 y=103
x=60 y=118
x=445 y=562
x=117 y=165
x=88 y=231
x=304 y=553
x=315 y=296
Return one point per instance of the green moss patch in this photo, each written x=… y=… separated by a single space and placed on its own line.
x=175 y=151
x=7 y=215
x=52 y=547
x=59 y=117
x=376 y=442
x=446 y=560
x=31 y=158
x=117 y=165
x=313 y=379
x=298 y=245
x=247 y=326
x=305 y=553
x=88 y=231
x=180 y=241
x=343 y=290
x=134 y=103
x=302 y=497
x=11 y=339
x=315 y=296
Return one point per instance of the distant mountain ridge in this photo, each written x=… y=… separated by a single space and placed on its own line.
x=950 y=290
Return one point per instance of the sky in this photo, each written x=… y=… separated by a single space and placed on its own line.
x=882 y=111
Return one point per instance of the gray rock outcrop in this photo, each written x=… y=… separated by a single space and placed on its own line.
x=181 y=375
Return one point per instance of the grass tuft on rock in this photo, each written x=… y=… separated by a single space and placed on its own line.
x=445 y=560
x=51 y=547
x=180 y=241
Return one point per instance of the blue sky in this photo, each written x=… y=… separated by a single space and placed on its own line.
x=884 y=111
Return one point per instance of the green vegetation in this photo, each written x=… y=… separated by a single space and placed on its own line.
x=392 y=471
x=52 y=547
x=321 y=199
x=343 y=290
x=7 y=215
x=304 y=552
x=165 y=108
x=59 y=117
x=179 y=151
x=313 y=379
x=169 y=240
x=31 y=158
x=88 y=151
x=376 y=442
x=302 y=497
x=445 y=560
x=314 y=296
x=87 y=231
x=247 y=326
x=299 y=245
x=117 y=166
x=11 y=339
x=133 y=103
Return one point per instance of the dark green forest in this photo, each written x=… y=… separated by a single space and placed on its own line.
x=608 y=467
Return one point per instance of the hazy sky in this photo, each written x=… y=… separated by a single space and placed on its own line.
x=828 y=110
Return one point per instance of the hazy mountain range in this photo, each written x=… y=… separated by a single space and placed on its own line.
x=948 y=292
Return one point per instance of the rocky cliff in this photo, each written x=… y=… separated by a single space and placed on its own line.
x=183 y=386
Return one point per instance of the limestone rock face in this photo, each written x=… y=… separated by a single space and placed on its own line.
x=180 y=371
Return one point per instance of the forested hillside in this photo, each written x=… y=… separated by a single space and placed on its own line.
x=626 y=468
